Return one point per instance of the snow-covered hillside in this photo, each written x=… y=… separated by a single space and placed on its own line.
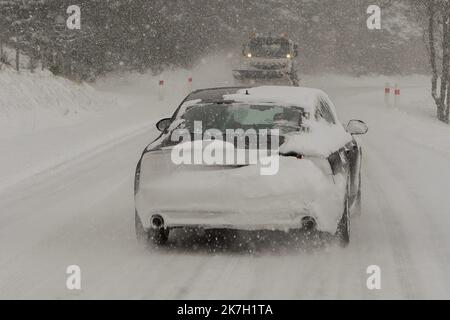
x=30 y=102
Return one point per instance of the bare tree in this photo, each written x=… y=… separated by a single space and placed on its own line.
x=436 y=17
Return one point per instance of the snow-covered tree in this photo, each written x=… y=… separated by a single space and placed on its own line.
x=141 y=34
x=435 y=16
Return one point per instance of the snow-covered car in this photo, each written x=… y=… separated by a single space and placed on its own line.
x=307 y=175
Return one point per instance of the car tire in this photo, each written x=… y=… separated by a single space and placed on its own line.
x=156 y=237
x=358 y=202
x=356 y=208
x=343 y=231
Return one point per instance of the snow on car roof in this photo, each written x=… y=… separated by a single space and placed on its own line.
x=212 y=93
x=298 y=96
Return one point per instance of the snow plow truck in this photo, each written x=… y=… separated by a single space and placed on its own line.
x=268 y=60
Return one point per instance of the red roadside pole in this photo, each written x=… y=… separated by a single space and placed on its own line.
x=161 y=90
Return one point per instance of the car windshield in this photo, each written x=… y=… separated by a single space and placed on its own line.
x=223 y=116
x=268 y=47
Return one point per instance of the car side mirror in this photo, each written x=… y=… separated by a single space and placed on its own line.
x=163 y=124
x=356 y=127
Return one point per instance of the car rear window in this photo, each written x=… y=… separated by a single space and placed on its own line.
x=234 y=116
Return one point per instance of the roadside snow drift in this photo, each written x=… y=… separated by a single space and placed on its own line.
x=29 y=101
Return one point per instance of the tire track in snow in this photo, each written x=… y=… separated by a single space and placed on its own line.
x=380 y=182
x=426 y=236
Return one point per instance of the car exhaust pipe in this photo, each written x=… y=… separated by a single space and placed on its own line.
x=157 y=221
x=309 y=223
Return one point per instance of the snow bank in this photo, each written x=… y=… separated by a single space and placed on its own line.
x=46 y=121
x=33 y=101
x=368 y=81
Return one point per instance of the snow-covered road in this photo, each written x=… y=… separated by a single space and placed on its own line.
x=82 y=213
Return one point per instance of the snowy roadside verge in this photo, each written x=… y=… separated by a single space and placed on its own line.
x=31 y=102
x=45 y=153
x=48 y=121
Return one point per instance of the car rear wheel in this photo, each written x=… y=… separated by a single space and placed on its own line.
x=358 y=203
x=343 y=230
x=151 y=237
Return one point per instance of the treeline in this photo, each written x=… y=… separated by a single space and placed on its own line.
x=151 y=34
